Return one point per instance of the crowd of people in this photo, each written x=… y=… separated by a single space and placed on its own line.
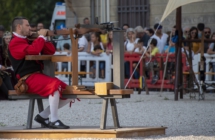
x=150 y=41
x=15 y=46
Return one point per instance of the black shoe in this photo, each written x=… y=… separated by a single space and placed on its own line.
x=42 y=121
x=58 y=125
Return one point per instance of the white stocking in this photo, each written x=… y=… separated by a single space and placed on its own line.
x=46 y=112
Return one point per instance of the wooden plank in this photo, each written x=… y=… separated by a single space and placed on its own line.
x=70 y=90
x=57 y=58
x=79 y=132
x=38 y=57
x=209 y=73
x=120 y=91
x=66 y=72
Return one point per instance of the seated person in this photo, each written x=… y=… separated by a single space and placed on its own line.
x=5 y=84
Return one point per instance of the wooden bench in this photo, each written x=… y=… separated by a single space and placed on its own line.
x=74 y=94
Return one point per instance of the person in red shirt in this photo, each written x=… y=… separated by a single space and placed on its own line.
x=37 y=82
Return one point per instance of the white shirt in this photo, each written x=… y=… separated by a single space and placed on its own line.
x=138 y=50
x=130 y=46
x=161 y=42
x=182 y=50
x=92 y=46
x=60 y=43
x=83 y=43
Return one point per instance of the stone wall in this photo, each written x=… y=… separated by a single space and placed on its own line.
x=82 y=9
x=192 y=14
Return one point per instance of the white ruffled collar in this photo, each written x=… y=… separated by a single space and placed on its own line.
x=20 y=36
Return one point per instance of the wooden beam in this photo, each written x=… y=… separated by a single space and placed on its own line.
x=57 y=58
x=121 y=91
x=74 y=57
x=79 y=73
x=38 y=57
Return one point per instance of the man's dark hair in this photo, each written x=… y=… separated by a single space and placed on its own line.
x=33 y=25
x=154 y=42
x=2 y=28
x=16 y=21
x=151 y=31
x=66 y=46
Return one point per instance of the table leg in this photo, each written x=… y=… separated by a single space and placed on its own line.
x=114 y=113
x=30 y=113
x=40 y=107
x=104 y=114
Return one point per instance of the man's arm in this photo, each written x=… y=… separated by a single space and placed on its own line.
x=48 y=49
x=210 y=49
x=19 y=48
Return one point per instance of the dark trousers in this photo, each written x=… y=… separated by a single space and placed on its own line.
x=5 y=86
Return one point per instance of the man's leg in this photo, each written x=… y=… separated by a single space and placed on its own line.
x=46 y=112
x=52 y=109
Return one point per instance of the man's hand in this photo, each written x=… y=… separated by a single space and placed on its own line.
x=43 y=32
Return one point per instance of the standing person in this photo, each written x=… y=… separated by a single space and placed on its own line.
x=150 y=32
x=37 y=82
x=161 y=37
x=109 y=48
x=96 y=41
x=211 y=51
x=33 y=27
x=40 y=26
x=207 y=32
x=86 y=21
x=193 y=34
x=63 y=39
x=125 y=26
x=186 y=32
x=129 y=46
x=82 y=47
x=142 y=35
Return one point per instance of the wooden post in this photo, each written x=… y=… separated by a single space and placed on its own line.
x=178 y=75
x=74 y=56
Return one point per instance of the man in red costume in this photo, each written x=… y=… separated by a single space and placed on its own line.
x=37 y=82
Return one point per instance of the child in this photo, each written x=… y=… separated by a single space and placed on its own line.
x=152 y=51
x=66 y=48
x=139 y=48
x=97 y=51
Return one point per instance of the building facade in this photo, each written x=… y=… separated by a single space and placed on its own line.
x=141 y=12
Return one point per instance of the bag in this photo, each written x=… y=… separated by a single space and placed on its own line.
x=21 y=87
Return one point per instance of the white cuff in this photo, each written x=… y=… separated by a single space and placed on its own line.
x=45 y=38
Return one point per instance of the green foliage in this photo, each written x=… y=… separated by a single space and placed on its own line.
x=34 y=10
